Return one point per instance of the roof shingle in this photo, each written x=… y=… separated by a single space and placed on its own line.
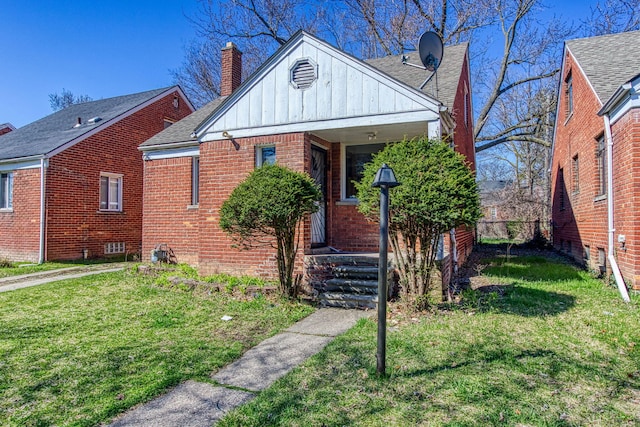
x=55 y=130
x=607 y=61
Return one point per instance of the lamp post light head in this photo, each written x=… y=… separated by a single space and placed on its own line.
x=385 y=177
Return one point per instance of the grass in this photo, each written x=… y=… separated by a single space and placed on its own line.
x=8 y=268
x=550 y=346
x=78 y=352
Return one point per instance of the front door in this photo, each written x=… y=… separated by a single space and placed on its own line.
x=319 y=219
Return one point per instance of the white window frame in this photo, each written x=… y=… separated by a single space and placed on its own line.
x=6 y=204
x=343 y=169
x=260 y=148
x=111 y=178
x=195 y=181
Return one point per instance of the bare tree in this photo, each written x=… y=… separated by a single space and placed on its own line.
x=258 y=27
x=66 y=98
x=613 y=16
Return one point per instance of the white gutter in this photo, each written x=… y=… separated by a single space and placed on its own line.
x=622 y=287
x=43 y=166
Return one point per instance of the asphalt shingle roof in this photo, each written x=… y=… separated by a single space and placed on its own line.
x=608 y=61
x=447 y=78
x=45 y=135
x=181 y=130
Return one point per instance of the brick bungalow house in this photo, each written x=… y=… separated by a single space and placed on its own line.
x=596 y=156
x=313 y=108
x=71 y=182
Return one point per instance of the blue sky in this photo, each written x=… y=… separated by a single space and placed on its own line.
x=101 y=48
x=97 y=48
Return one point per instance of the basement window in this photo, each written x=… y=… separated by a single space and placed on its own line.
x=114 y=248
x=303 y=74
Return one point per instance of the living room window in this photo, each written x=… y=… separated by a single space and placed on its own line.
x=110 y=192
x=355 y=157
x=6 y=190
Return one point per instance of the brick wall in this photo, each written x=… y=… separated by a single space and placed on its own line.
x=168 y=216
x=20 y=228
x=223 y=165
x=581 y=226
x=74 y=221
x=626 y=181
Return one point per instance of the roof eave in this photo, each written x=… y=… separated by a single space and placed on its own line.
x=620 y=94
x=193 y=143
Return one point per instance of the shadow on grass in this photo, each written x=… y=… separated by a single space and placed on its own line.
x=519 y=300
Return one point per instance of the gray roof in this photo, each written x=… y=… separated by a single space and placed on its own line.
x=448 y=74
x=182 y=130
x=55 y=130
x=608 y=61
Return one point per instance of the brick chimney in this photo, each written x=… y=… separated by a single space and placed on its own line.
x=231 y=75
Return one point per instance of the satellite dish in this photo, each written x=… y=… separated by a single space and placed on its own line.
x=430 y=50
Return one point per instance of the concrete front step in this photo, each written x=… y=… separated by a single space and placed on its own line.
x=330 y=299
x=352 y=286
x=356 y=272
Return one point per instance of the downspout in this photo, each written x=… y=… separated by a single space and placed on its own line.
x=622 y=287
x=43 y=166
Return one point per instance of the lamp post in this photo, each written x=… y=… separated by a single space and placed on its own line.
x=385 y=179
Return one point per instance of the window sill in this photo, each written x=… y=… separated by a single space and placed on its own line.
x=192 y=207
x=348 y=202
x=600 y=198
x=6 y=210
x=100 y=211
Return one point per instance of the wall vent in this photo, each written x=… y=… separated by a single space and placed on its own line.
x=114 y=248
x=303 y=74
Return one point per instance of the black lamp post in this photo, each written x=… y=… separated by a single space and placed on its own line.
x=385 y=179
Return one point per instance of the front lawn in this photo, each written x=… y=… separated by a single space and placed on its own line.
x=542 y=344
x=19 y=268
x=80 y=351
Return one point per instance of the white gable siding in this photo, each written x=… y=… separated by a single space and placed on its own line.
x=344 y=89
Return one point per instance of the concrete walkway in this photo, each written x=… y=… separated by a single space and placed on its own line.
x=12 y=283
x=195 y=404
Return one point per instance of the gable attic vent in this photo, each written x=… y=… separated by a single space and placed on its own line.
x=303 y=74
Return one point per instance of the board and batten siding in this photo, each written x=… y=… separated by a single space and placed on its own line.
x=345 y=88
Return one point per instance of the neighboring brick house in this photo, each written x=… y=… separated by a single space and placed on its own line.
x=71 y=182
x=6 y=128
x=596 y=155
x=310 y=107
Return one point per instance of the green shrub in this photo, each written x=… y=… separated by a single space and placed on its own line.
x=267 y=209
x=438 y=193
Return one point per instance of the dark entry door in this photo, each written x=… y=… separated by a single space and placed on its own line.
x=319 y=219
